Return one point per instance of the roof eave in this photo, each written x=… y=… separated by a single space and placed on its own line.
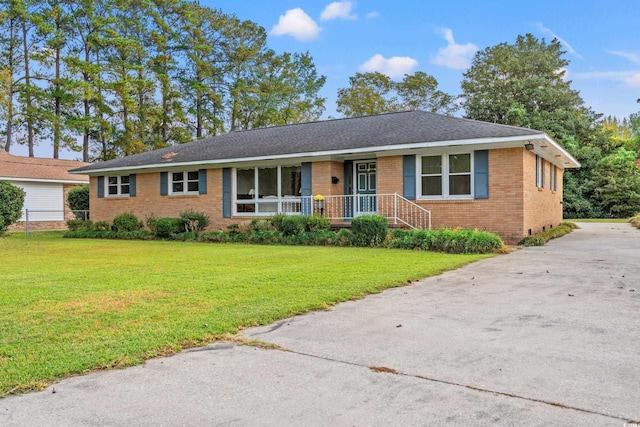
x=315 y=154
x=54 y=181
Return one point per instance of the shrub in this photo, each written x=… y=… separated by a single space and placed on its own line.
x=74 y=224
x=193 y=222
x=264 y=237
x=237 y=237
x=101 y=226
x=262 y=224
x=167 y=227
x=109 y=234
x=80 y=225
x=150 y=221
x=324 y=238
x=185 y=236
x=132 y=235
x=315 y=223
x=536 y=240
x=369 y=230
x=344 y=238
x=293 y=224
x=448 y=240
x=276 y=221
x=482 y=242
x=11 y=203
x=126 y=222
x=78 y=201
x=411 y=239
x=445 y=240
x=303 y=238
x=635 y=221
x=541 y=239
x=214 y=236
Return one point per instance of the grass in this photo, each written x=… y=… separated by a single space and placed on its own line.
x=69 y=306
x=614 y=220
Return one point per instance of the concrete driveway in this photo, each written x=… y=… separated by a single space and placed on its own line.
x=543 y=336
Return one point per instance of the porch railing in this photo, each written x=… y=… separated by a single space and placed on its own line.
x=394 y=207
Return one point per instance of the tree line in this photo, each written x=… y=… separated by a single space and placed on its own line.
x=118 y=77
x=524 y=84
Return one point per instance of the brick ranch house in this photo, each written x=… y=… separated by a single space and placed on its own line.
x=417 y=168
x=46 y=183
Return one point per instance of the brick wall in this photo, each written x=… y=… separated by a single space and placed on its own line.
x=515 y=205
x=321 y=173
x=542 y=207
x=149 y=201
x=501 y=213
x=390 y=175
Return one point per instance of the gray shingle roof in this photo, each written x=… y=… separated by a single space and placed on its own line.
x=382 y=130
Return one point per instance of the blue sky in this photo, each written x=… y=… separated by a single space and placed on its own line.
x=602 y=40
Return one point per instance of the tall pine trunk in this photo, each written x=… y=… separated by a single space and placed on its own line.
x=87 y=109
x=57 y=113
x=27 y=82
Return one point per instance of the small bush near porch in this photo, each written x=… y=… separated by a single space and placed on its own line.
x=70 y=306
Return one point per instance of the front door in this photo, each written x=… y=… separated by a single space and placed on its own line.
x=365 y=179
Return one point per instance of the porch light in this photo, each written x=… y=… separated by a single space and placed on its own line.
x=528 y=146
x=335 y=180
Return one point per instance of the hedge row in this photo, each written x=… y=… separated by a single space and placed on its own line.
x=541 y=239
x=367 y=231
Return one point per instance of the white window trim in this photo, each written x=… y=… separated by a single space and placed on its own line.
x=540 y=172
x=118 y=186
x=553 y=178
x=445 y=176
x=256 y=202
x=185 y=182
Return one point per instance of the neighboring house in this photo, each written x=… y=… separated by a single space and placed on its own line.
x=466 y=173
x=46 y=183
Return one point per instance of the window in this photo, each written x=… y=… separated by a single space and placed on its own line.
x=268 y=190
x=540 y=172
x=553 y=178
x=446 y=176
x=184 y=182
x=118 y=186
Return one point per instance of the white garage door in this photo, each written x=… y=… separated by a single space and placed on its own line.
x=42 y=197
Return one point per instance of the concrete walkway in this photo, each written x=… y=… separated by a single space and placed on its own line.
x=543 y=336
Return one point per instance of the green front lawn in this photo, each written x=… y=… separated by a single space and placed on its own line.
x=71 y=306
x=614 y=220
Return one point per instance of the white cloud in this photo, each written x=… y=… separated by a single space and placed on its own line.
x=633 y=81
x=456 y=56
x=372 y=14
x=603 y=75
x=633 y=57
x=627 y=78
x=296 y=23
x=396 y=66
x=337 y=10
x=562 y=41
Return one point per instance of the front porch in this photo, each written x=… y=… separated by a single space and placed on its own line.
x=395 y=208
